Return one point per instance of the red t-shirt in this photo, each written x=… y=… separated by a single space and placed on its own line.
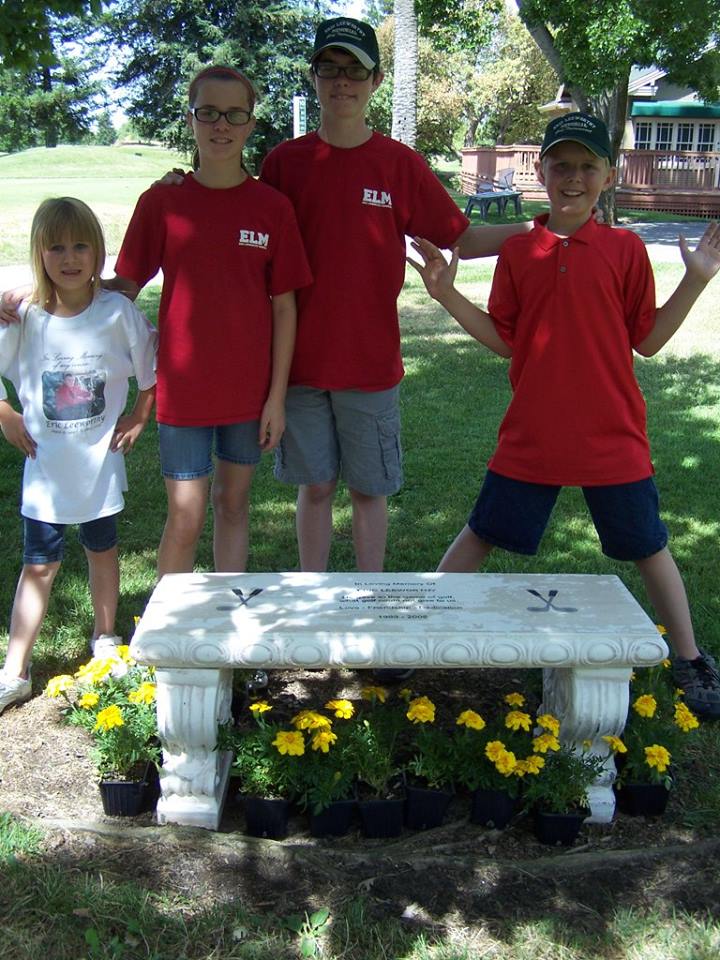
x=354 y=207
x=224 y=254
x=572 y=309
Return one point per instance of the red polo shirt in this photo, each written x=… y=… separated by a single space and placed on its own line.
x=572 y=309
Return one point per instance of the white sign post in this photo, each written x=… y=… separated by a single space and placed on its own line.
x=299 y=116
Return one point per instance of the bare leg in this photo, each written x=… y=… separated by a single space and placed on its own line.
x=666 y=592
x=187 y=506
x=104 y=580
x=466 y=553
x=369 y=527
x=313 y=522
x=231 y=505
x=29 y=609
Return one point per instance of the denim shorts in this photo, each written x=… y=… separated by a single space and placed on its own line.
x=186 y=452
x=45 y=542
x=513 y=514
x=353 y=434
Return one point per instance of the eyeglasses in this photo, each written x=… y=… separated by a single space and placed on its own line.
x=236 y=117
x=329 y=71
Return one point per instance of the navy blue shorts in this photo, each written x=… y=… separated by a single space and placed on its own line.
x=45 y=542
x=513 y=514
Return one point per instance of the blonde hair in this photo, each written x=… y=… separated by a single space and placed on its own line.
x=218 y=72
x=54 y=220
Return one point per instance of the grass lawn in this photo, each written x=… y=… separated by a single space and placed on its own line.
x=453 y=398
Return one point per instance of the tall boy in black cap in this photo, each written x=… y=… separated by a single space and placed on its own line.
x=356 y=195
x=570 y=302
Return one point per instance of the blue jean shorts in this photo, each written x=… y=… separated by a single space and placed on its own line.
x=186 y=452
x=353 y=434
x=45 y=542
x=513 y=514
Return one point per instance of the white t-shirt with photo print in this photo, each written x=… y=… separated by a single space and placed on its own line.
x=71 y=377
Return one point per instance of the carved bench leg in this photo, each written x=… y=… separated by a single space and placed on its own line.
x=194 y=776
x=591 y=703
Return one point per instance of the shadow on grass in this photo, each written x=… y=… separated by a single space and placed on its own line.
x=202 y=895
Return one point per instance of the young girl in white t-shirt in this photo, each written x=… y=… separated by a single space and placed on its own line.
x=69 y=360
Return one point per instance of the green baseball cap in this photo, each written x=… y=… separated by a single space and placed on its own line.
x=582 y=128
x=355 y=36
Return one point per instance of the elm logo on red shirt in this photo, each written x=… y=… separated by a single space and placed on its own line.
x=377 y=198
x=253 y=238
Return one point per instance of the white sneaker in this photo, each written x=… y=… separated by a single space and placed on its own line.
x=14 y=690
x=106 y=646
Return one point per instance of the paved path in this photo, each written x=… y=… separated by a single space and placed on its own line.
x=661 y=240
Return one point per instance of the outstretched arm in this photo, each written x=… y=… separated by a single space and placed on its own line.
x=701 y=265
x=485 y=241
x=439 y=279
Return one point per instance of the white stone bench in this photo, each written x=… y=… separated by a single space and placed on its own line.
x=587 y=632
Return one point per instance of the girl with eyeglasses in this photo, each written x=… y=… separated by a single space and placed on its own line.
x=231 y=256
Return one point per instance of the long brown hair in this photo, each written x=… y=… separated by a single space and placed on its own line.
x=218 y=72
x=54 y=220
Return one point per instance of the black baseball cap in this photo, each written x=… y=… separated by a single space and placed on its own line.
x=356 y=37
x=582 y=128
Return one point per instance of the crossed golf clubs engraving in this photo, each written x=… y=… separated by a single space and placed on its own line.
x=244 y=600
x=549 y=604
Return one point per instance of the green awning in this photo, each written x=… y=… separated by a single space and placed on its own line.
x=676 y=108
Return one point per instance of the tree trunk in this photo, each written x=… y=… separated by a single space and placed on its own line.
x=51 y=133
x=404 y=119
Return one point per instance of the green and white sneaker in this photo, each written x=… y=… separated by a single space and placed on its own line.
x=700 y=681
x=13 y=690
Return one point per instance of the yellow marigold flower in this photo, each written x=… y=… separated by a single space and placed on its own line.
x=310 y=720
x=517 y=720
x=494 y=749
x=685 y=718
x=658 y=757
x=660 y=628
x=109 y=717
x=545 y=742
x=421 y=710
x=260 y=706
x=646 y=705
x=615 y=744
x=123 y=651
x=96 y=670
x=374 y=693
x=470 y=719
x=136 y=620
x=88 y=700
x=666 y=663
x=549 y=722
x=506 y=763
x=532 y=765
x=323 y=740
x=290 y=742
x=514 y=699
x=341 y=708
x=145 y=693
x=405 y=694
x=57 y=685
x=679 y=692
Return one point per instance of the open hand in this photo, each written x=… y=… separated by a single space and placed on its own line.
x=438 y=275
x=704 y=261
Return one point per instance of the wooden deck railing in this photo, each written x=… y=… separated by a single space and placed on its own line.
x=661 y=179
